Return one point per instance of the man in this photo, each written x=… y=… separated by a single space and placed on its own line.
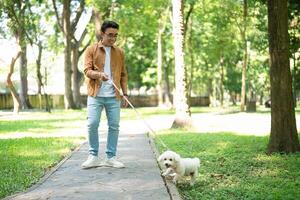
x=104 y=65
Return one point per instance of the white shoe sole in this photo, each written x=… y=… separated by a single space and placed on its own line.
x=92 y=166
x=104 y=164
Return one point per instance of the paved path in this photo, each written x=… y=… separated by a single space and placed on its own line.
x=140 y=180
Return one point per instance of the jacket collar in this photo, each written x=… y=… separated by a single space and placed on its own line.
x=100 y=45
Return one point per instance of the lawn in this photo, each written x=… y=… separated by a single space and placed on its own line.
x=234 y=166
x=24 y=161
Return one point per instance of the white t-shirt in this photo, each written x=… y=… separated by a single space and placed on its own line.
x=107 y=89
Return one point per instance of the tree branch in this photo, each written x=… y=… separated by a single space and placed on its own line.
x=11 y=68
x=10 y=85
x=57 y=16
x=78 y=15
x=84 y=48
x=187 y=18
x=21 y=26
x=82 y=36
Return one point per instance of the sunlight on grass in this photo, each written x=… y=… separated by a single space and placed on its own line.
x=24 y=161
x=222 y=145
x=265 y=172
x=234 y=166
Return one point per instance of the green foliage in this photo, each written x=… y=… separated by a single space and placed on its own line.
x=22 y=19
x=235 y=166
x=140 y=44
x=233 y=79
x=213 y=34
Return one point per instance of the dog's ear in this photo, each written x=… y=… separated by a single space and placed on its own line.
x=177 y=157
x=160 y=158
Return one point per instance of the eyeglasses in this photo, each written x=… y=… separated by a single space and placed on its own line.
x=111 y=36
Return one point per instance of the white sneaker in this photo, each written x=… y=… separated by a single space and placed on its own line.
x=92 y=161
x=112 y=162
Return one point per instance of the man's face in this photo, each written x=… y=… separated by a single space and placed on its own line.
x=109 y=37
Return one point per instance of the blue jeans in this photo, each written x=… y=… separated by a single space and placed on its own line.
x=112 y=108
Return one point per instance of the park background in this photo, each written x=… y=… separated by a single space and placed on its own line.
x=208 y=53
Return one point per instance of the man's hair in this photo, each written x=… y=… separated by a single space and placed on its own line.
x=109 y=24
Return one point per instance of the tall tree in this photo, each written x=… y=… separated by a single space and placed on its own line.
x=68 y=29
x=20 y=24
x=283 y=136
x=9 y=83
x=244 y=39
x=21 y=18
x=101 y=11
x=161 y=28
x=65 y=26
x=183 y=114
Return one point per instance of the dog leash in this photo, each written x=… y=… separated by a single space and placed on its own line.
x=139 y=115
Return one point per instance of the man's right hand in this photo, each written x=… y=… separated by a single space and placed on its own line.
x=103 y=76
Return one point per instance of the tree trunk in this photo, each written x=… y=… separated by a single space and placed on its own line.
x=76 y=76
x=40 y=82
x=183 y=114
x=69 y=102
x=233 y=98
x=106 y=12
x=210 y=91
x=261 y=98
x=38 y=68
x=166 y=86
x=222 y=80
x=23 y=79
x=191 y=52
x=163 y=89
x=16 y=99
x=293 y=80
x=159 y=69
x=98 y=21
x=244 y=70
x=39 y=75
x=23 y=70
x=283 y=137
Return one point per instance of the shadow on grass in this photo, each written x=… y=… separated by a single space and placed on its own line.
x=235 y=166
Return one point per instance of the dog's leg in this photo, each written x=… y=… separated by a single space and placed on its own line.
x=194 y=175
x=167 y=172
x=176 y=177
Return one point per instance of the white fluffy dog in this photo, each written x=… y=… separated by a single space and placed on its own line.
x=180 y=166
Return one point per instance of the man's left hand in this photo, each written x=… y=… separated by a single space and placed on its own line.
x=124 y=102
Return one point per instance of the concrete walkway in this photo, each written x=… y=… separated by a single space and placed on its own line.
x=140 y=179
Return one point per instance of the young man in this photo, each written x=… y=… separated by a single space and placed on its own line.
x=104 y=63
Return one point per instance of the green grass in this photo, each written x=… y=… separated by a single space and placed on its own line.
x=235 y=167
x=24 y=161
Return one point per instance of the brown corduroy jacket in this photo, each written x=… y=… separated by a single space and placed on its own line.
x=94 y=63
